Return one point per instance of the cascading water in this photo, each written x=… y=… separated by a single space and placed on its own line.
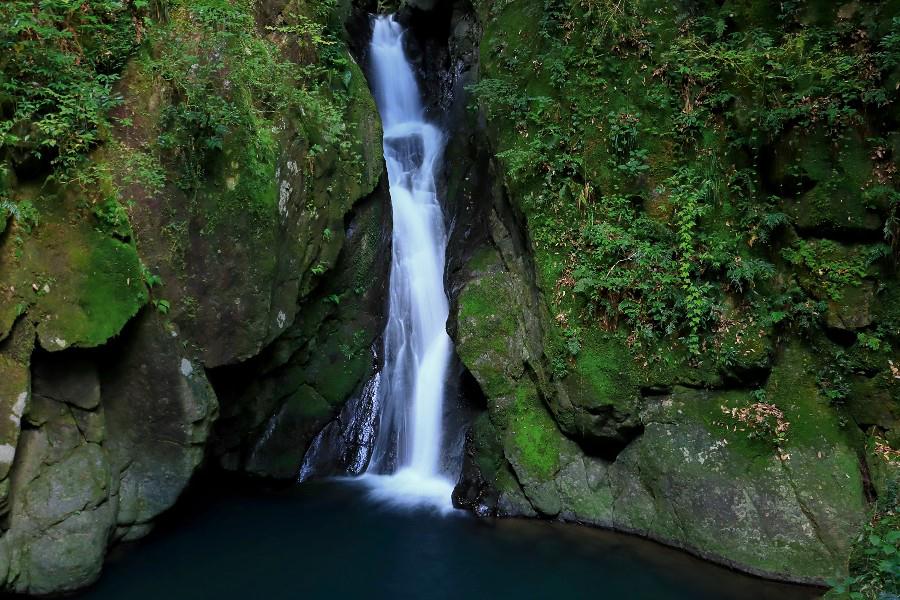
x=417 y=349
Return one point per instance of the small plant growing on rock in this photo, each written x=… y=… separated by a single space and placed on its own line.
x=25 y=214
x=875 y=558
x=162 y=305
x=150 y=278
x=833 y=386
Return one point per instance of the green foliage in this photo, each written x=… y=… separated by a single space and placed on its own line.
x=802 y=77
x=24 y=212
x=223 y=88
x=832 y=267
x=875 y=561
x=162 y=306
x=649 y=272
x=634 y=142
x=834 y=384
x=58 y=63
x=139 y=166
x=150 y=278
x=234 y=85
x=112 y=218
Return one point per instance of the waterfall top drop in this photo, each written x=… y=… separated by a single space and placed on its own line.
x=405 y=467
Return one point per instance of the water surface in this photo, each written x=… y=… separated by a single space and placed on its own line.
x=326 y=540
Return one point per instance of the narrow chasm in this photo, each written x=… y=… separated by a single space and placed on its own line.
x=370 y=433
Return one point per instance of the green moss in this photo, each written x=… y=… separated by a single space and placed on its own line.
x=827 y=267
x=606 y=370
x=307 y=405
x=713 y=409
x=74 y=276
x=488 y=330
x=840 y=175
x=532 y=439
x=110 y=294
x=482 y=301
x=488 y=450
x=483 y=261
x=792 y=387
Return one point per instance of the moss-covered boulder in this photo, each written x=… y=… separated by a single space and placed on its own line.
x=69 y=274
x=62 y=514
x=774 y=467
x=247 y=241
x=834 y=181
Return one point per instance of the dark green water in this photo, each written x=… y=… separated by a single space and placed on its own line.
x=324 y=540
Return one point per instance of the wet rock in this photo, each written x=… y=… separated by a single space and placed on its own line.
x=854 y=309
x=274 y=406
x=159 y=411
x=63 y=512
x=277 y=453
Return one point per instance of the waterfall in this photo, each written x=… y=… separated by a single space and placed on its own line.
x=417 y=349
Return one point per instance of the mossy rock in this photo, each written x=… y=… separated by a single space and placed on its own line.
x=835 y=176
x=77 y=283
x=598 y=402
x=531 y=444
x=304 y=378
x=60 y=518
x=875 y=402
x=278 y=454
x=252 y=237
x=489 y=336
x=791 y=507
x=854 y=308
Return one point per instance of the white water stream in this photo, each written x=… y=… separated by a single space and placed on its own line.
x=417 y=348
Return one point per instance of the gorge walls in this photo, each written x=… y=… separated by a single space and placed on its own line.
x=671 y=267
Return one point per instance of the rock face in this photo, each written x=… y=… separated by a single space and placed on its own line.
x=244 y=250
x=750 y=448
x=112 y=438
x=615 y=445
x=275 y=404
x=207 y=286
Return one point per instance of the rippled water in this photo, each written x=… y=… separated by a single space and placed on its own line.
x=326 y=540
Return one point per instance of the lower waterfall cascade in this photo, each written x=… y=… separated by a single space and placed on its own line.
x=405 y=464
